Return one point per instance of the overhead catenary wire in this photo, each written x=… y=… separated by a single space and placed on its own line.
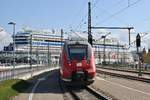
x=77 y=34
x=83 y=4
x=83 y=20
x=116 y=18
x=115 y=5
x=92 y=8
x=94 y=5
x=129 y=5
x=142 y=21
x=120 y=11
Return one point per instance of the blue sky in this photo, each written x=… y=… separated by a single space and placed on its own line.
x=72 y=14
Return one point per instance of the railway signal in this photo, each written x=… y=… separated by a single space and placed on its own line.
x=138 y=40
x=138 y=44
x=90 y=39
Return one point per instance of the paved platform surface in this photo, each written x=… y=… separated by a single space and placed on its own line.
x=45 y=87
x=122 y=89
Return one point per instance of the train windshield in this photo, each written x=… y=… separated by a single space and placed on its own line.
x=78 y=52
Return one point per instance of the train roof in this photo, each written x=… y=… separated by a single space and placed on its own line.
x=76 y=42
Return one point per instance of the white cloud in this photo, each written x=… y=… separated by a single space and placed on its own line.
x=95 y=33
x=5 y=39
x=123 y=36
x=99 y=32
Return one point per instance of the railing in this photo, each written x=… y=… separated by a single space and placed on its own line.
x=12 y=74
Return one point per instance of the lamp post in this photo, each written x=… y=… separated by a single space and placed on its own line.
x=13 y=24
x=31 y=55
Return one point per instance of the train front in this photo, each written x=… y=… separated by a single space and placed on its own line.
x=78 y=63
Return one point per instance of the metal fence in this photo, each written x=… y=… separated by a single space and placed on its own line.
x=18 y=72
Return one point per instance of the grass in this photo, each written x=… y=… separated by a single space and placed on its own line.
x=13 y=87
x=147 y=58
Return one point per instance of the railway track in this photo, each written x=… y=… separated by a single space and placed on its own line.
x=124 y=70
x=85 y=93
x=80 y=93
x=133 y=77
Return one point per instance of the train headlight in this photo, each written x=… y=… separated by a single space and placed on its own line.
x=69 y=63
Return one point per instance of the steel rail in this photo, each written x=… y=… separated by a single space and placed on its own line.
x=131 y=71
x=124 y=76
x=96 y=93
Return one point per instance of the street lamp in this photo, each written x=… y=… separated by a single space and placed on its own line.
x=13 y=24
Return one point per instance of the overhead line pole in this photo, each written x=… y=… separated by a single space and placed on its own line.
x=14 y=47
x=62 y=38
x=90 y=39
x=128 y=28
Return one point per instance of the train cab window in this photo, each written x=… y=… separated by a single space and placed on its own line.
x=78 y=53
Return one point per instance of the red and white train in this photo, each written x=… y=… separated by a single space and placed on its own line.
x=77 y=62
